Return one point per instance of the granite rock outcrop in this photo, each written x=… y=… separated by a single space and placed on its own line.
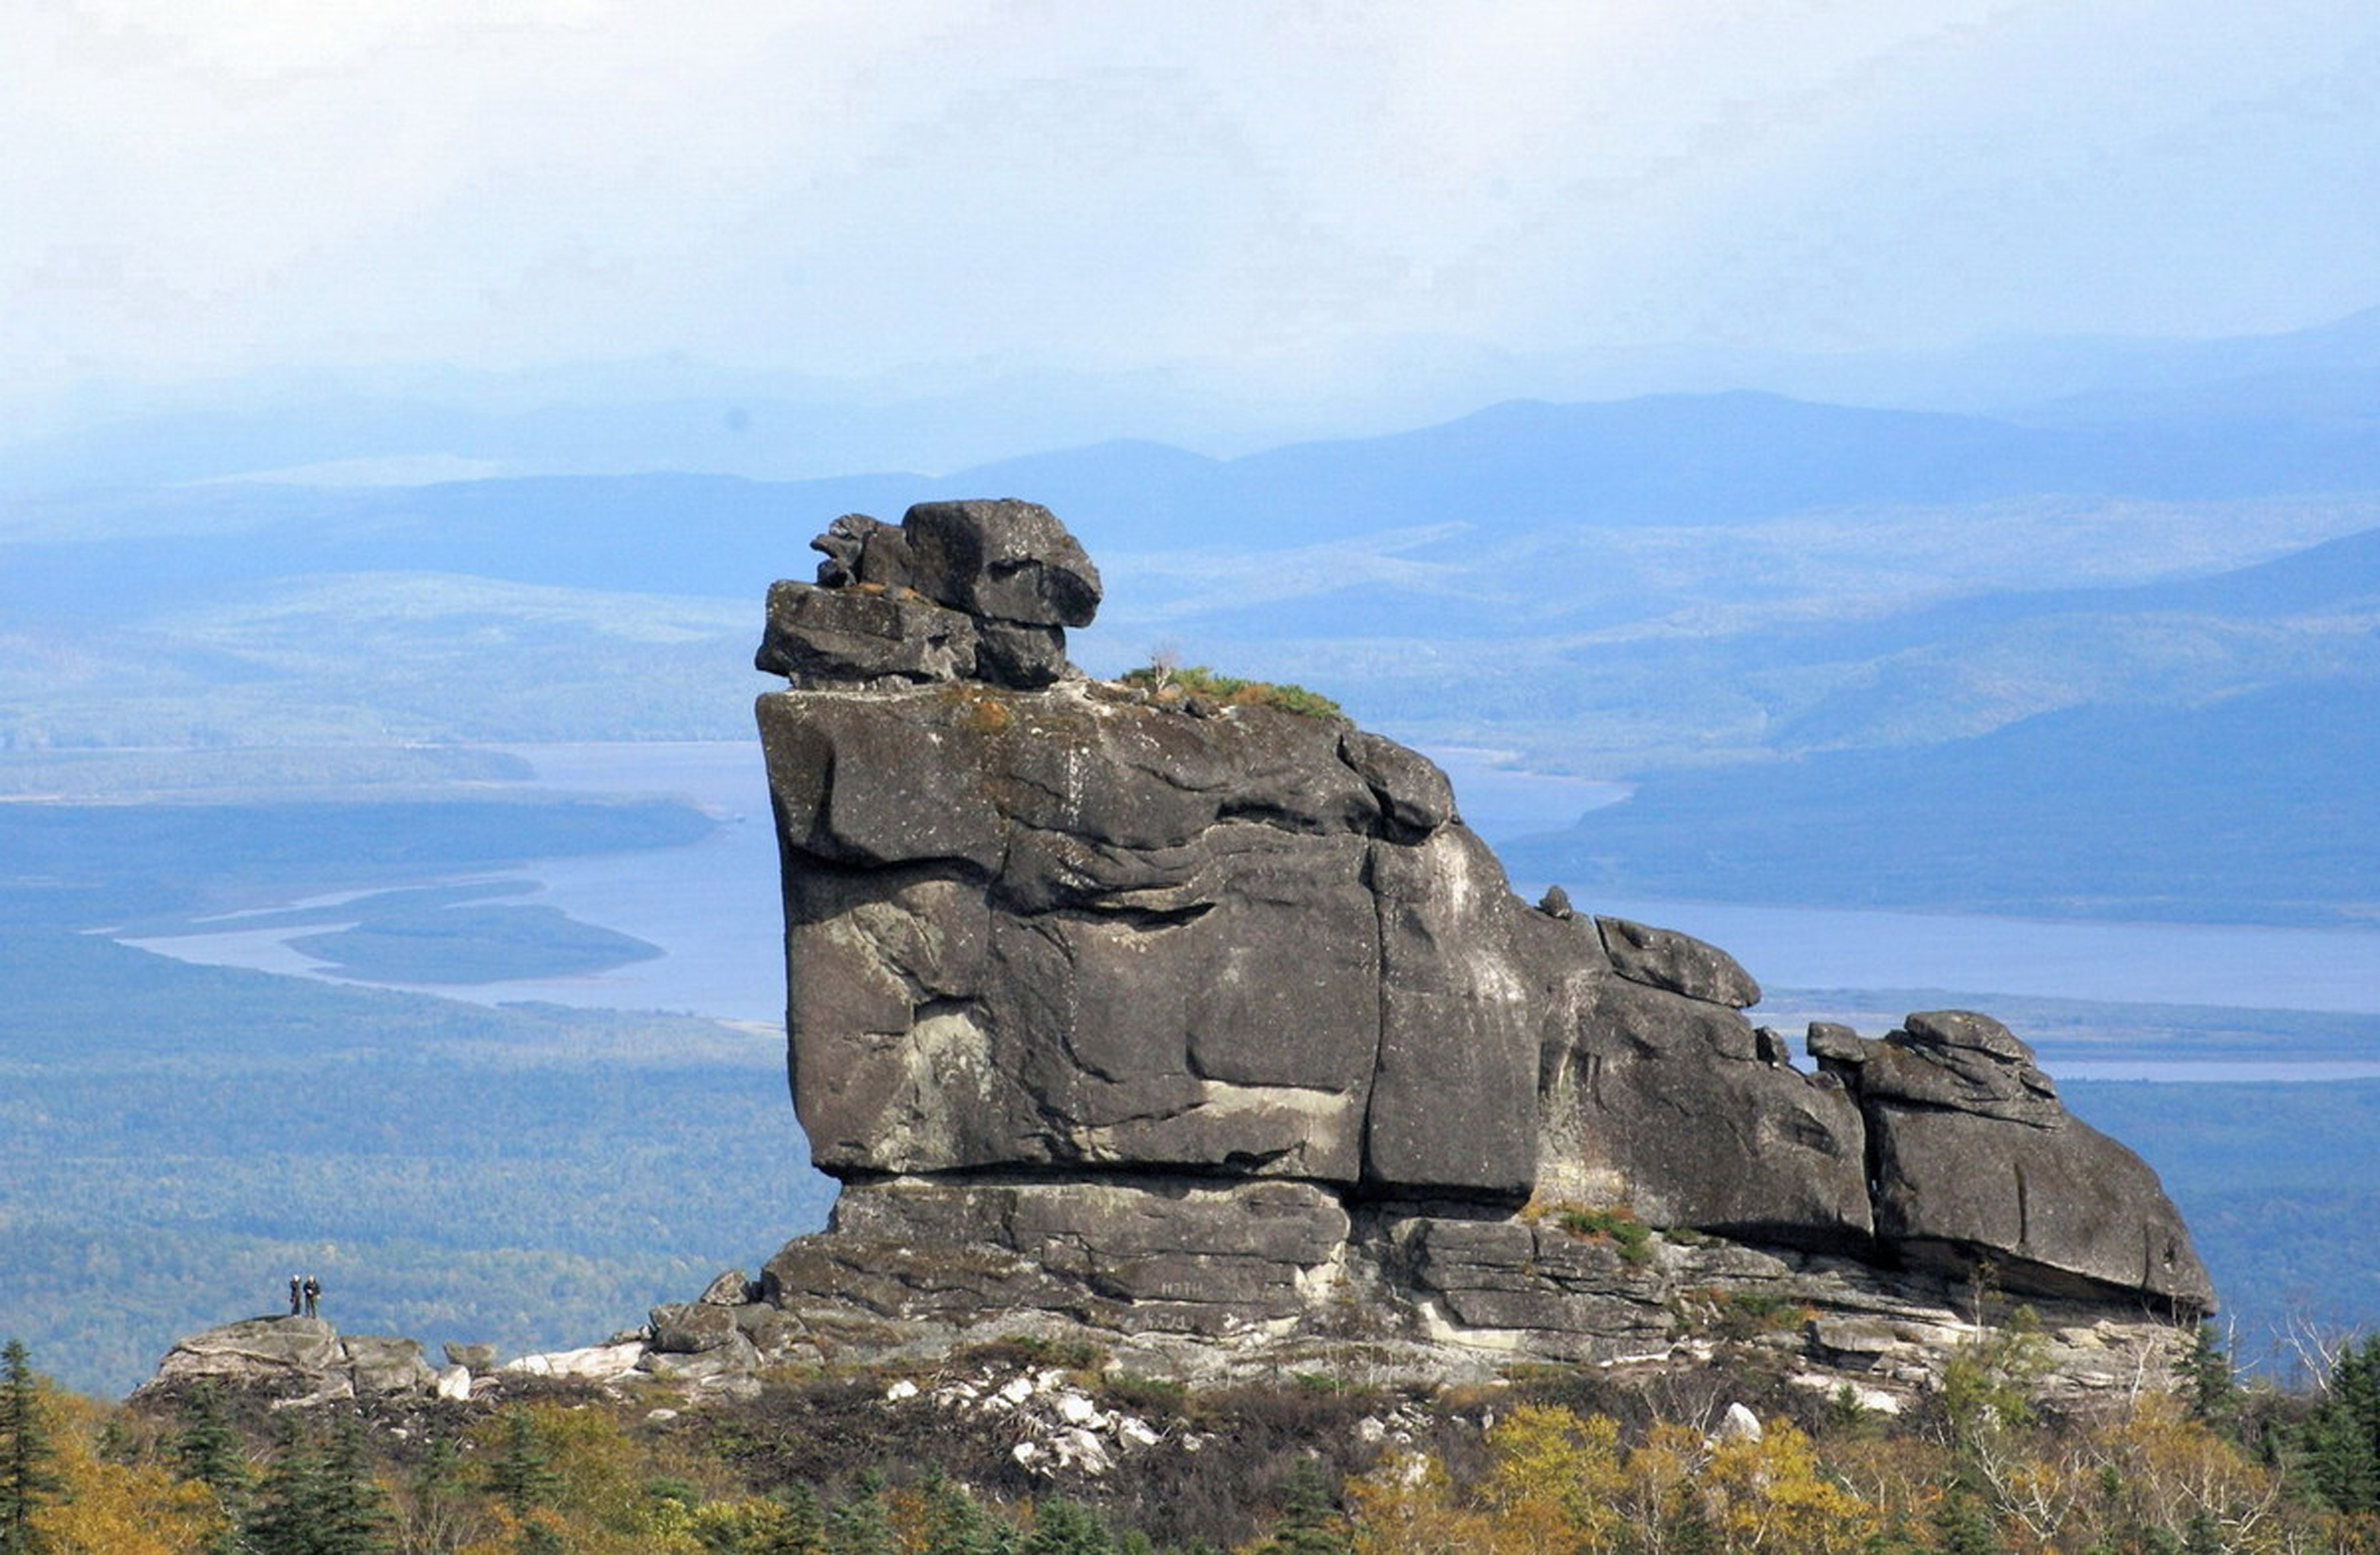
x=304 y=1360
x=1113 y=1003
x=1201 y=1029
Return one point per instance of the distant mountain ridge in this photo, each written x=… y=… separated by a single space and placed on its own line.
x=2263 y=806
x=675 y=414
x=1673 y=460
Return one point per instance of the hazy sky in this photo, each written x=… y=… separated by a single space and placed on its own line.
x=206 y=186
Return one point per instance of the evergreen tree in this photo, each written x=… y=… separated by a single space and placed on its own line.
x=521 y=1474
x=26 y=1452
x=1962 y=1527
x=956 y=1523
x=209 y=1451
x=802 y=1529
x=2342 y=1437
x=354 y=1515
x=437 y=1504
x=282 y=1520
x=1309 y=1523
x=117 y=1445
x=862 y=1526
x=2208 y=1387
x=538 y=1537
x=1064 y=1527
x=320 y=1500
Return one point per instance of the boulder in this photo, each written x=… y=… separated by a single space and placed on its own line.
x=690 y=1327
x=825 y=636
x=1169 y=1254
x=1073 y=932
x=1454 y=1080
x=1007 y=560
x=958 y=590
x=282 y=1355
x=1664 y=958
x=1673 y=1106
x=478 y=1358
x=594 y=1363
x=296 y=1358
x=845 y=545
x=381 y=1364
x=1974 y=1162
x=727 y=1289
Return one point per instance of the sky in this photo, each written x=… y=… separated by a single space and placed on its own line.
x=218 y=186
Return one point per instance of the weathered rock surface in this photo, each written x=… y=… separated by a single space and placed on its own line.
x=1974 y=1159
x=1162 y=1018
x=956 y=591
x=1211 y=1035
x=296 y=1359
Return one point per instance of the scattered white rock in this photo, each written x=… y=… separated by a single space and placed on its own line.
x=904 y=1389
x=1738 y=1423
x=596 y=1363
x=1876 y=1400
x=455 y=1384
x=1083 y=1449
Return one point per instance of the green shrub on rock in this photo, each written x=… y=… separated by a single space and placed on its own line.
x=1176 y=683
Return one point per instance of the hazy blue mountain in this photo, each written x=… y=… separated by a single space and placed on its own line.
x=2344 y=396
x=1673 y=460
x=359 y=424
x=2264 y=805
x=1665 y=460
x=664 y=534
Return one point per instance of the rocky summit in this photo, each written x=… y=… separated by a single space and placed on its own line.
x=1182 y=1019
x=1202 y=1023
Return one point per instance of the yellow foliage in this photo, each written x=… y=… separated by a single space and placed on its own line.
x=114 y=1508
x=1561 y=1484
x=1552 y=1481
x=600 y=1506
x=1768 y=1493
x=1407 y=1508
x=2172 y=1468
x=1659 y=1478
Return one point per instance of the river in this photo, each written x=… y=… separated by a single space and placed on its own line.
x=713 y=907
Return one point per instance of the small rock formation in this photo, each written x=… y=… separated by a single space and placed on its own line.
x=1157 y=1017
x=302 y=1359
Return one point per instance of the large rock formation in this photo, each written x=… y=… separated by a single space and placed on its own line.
x=1111 y=1002
x=1203 y=1028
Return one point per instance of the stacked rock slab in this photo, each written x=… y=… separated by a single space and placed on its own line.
x=1115 y=1004
x=303 y=1359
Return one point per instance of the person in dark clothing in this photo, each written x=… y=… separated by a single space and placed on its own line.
x=313 y=1296
x=297 y=1288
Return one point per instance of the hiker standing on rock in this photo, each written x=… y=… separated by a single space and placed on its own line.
x=296 y=1292
x=313 y=1296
